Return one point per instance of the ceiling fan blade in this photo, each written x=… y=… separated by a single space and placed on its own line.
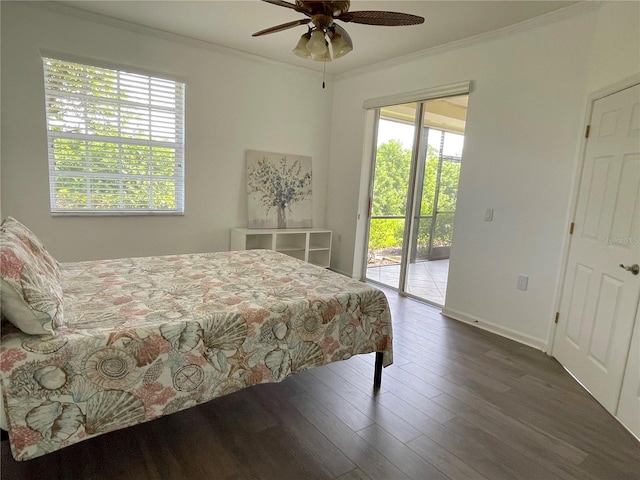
x=373 y=17
x=282 y=3
x=338 y=29
x=284 y=26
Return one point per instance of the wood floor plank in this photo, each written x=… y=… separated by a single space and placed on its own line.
x=355 y=474
x=444 y=385
x=359 y=378
x=601 y=465
x=409 y=462
x=368 y=459
x=409 y=413
x=347 y=413
x=328 y=457
x=445 y=461
x=489 y=455
x=516 y=433
x=289 y=387
x=461 y=358
x=576 y=427
x=196 y=431
x=477 y=381
x=368 y=405
x=413 y=397
x=546 y=368
x=424 y=388
x=559 y=458
x=274 y=455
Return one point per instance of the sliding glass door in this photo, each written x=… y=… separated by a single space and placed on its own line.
x=391 y=186
x=413 y=195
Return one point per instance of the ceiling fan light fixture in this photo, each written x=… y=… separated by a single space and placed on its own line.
x=317 y=45
x=339 y=46
x=323 y=57
x=301 y=49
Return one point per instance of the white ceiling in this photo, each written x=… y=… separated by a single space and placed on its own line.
x=231 y=23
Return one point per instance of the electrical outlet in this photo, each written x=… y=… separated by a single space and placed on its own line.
x=523 y=282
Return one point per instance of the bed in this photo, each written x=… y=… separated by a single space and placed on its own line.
x=130 y=340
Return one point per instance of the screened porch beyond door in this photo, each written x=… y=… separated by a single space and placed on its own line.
x=425 y=279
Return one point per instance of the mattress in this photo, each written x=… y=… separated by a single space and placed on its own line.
x=147 y=337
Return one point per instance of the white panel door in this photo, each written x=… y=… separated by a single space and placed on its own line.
x=599 y=298
x=629 y=405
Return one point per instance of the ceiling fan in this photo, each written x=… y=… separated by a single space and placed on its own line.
x=323 y=31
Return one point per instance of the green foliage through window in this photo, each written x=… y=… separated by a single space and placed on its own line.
x=393 y=164
x=116 y=140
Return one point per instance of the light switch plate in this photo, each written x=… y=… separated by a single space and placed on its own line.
x=523 y=282
x=488 y=215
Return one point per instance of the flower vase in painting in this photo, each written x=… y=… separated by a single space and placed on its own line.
x=279 y=190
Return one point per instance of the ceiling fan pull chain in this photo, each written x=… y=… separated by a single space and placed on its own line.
x=324 y=73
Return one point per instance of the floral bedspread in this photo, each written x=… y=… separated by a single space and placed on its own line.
x=146 y=337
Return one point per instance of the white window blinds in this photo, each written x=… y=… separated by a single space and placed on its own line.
x=116 y=141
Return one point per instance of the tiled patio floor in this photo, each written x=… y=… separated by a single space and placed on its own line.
x=427 y=280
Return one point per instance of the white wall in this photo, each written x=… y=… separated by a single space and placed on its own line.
x=524 y=124
x=234 y=103
x=615 y=52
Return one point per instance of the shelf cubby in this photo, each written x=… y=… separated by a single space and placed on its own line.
x=311 y=245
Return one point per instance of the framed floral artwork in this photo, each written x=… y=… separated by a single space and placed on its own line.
x=279 y=190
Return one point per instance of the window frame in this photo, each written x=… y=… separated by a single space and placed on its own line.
x=155 y=126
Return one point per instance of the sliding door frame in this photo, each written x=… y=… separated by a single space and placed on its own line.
x=412 y=198
x=419 y=97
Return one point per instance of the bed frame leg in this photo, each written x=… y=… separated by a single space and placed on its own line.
x=4 y=435
x=377 y=374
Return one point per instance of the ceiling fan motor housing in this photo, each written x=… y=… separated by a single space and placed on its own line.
x=330 y=8
x=321 y=21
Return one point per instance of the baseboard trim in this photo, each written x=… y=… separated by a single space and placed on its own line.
x=341 y=272
x=528 y=340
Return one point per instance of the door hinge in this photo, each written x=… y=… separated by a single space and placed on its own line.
x=369 y=208
x=557 y=317
x=586 y=134
x=571 y=228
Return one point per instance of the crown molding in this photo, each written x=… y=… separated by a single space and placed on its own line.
x=59 y=8
x=582 y=7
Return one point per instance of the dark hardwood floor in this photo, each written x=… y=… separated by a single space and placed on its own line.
x=457 y=403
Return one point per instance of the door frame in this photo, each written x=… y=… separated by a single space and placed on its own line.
x=575 y=191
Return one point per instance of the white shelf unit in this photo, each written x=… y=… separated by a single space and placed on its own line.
x=312 y=245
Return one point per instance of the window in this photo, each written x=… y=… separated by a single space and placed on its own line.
x=116 y=141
